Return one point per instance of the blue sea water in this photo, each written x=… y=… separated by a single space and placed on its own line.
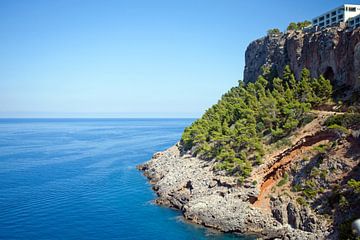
x=76 y=179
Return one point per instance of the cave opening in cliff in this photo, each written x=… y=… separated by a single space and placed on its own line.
x=329 y=74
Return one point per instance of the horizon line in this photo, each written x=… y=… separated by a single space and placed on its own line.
x=2 y=118
x=97 y=115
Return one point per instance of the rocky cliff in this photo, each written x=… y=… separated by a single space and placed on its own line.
x=304 y=186
x=333 y=52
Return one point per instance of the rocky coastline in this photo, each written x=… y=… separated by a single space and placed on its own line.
x=299 y=190
x=214 y=200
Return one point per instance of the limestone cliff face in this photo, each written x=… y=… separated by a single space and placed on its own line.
x=333 y=52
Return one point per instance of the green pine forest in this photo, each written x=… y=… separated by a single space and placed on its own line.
x=235 y=131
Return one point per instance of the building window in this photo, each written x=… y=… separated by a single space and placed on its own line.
x=357 y=20
x=341 y=17
x=333 y=19
x=327 y=22
x=327 y=15
x=321 y=18
x=352 y=22
x=333 y=13
x=321 y=24
x=352 y=9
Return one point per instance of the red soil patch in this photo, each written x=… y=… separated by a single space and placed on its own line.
x=273 y=174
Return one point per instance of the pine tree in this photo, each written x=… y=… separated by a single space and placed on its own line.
x=233 y=131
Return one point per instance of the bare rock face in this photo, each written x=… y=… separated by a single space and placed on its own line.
x=333 y=52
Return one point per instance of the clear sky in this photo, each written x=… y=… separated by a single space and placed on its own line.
x=130 y=58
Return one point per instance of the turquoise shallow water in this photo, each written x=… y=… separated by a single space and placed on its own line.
x=76 y=179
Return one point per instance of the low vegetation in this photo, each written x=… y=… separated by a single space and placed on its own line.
x=354 y=185
x=284 y=180
x=274 y=31
x=322 y=148
x=301 y=201
x=299 y=25
x=346 y=120
x=293 y=26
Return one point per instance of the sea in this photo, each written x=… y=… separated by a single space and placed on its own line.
x=77 y=179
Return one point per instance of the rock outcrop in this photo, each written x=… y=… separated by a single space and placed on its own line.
x=333 y=52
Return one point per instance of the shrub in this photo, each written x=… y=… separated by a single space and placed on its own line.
x=299 y=25
x=322 y=148
x=240 y=180
x=273 y=31
x=355 y=185
x=296 y=188
x=282 y=143
x=308 y=118
x=324 y=173
x=338 y=129
x=301 y=201
x=343 y=202
x=315 y=172
x=309 y=193
x=283 y=181
x=310 y=189
x=347 y=120
x=277 y=133
x=310 y=183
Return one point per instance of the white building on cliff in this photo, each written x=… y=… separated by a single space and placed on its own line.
x=347 y=13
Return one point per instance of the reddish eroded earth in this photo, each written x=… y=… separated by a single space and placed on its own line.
x=271 y=175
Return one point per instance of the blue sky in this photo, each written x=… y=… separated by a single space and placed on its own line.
x=130 y=58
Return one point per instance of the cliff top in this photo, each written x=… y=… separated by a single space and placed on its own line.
x=333 y=52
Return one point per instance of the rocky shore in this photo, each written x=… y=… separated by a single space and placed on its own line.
x=214 y=200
